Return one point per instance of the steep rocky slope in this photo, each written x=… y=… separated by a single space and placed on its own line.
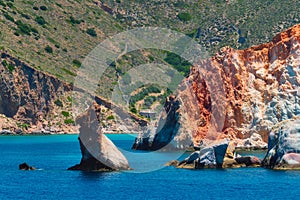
x=28 y=98
x=237 y=94
x=32 y=101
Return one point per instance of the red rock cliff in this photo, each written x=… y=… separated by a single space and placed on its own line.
x=238 y=94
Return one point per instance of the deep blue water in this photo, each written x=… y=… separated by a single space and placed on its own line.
x=54 y=154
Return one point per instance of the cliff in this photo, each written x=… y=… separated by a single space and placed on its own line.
x=237 y=94
x=32 y=101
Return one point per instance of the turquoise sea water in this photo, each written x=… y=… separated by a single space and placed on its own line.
x=53 y=154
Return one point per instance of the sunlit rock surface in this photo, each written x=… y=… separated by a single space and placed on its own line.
x=98 y=152
x=237 y=94
x=284 y=146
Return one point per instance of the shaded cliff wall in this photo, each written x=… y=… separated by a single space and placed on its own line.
x=27 y=94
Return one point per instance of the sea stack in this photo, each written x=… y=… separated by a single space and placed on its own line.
x=98 y=152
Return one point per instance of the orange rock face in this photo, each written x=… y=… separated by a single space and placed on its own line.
x=238 y=94
x=260 y=88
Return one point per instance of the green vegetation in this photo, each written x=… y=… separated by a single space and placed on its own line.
x=54 y=37
x=23 y=28
x=74 y=21
x=69 y=121
x=178 y=63
x=91 y=32
x=44 y=8
x=23 y=126
x=65 y=113
x=142 y=94
x=58 y=103
x=76 y=63
x=40 y=20
x=184 y=16
x=8 y=17
x=48 y=49
x=10 y=67
x=4 y=63
x=110 y=117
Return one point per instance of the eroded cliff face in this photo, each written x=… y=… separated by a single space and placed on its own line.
x=28 y=98
x=34 y=102
x=237 y=94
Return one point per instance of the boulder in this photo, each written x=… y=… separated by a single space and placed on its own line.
x=98 y=152
x=284 y=146
x=248 y=161
x=209 y=157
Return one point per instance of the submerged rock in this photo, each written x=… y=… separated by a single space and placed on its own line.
x=25 y=166
x=98 y=152
x=284 y=146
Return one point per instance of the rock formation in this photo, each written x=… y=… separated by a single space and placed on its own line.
x=237 y=94
x=27 y=99
x=218 y=155
x=98 y=152
x=32 y=102
x=284 y=146
x=25 y=166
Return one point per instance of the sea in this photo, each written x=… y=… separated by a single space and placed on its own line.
x=149 y=179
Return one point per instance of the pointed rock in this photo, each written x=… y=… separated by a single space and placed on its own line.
x=98 y=152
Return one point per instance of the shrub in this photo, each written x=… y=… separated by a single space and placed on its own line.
x=74 y=21
x=58 y=103
x=35 y=8
x=77 y=63
x=40 y=20
x=25 y=16
x=69 y=121
x=65 y=113
x=184 y=16
x=11 y=67
x=8 y=17
x=48 y=49
x=133 y=110
x=110 y=117
x=91 y=32
x=178 y=63
x=4 y=63
x=23 y=28
x=44 y=8
x=70 y=99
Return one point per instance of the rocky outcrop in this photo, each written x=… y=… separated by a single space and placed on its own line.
x=208 y=157
x=34 y=102
x=237 y=94
x=30 y=99
x=98 y=152
x=284 y=146
x=219 y=155
x=25 y=166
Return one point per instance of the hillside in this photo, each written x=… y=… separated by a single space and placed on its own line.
x=54 y=37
